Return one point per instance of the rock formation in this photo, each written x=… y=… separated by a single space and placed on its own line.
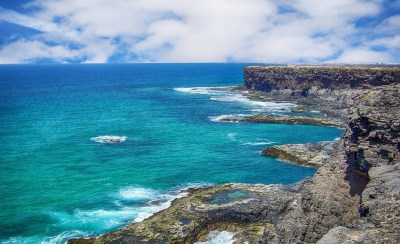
x=310 y=154
x=283 y=119
x=353 y=198
x=308 y=85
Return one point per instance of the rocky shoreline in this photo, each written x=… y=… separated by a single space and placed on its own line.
x=353 y=197
x=285 y=119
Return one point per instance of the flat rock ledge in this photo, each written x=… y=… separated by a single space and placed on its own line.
x=242 y=209
x=310 y=154
x=285 y=119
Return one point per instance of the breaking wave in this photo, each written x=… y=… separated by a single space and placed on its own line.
x=109 y=139
x=129 y=204
x=226 y=94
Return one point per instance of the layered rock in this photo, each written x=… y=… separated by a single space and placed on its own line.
x=372 y=146
x=334 y=85
x=306 y=80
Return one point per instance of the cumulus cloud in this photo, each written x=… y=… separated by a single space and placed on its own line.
x=269 y=31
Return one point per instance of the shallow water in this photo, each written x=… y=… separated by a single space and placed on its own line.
x=57 y=183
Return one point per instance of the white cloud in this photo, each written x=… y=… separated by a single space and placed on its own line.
x=23 y=51
x=203 y=30
x=365 y=55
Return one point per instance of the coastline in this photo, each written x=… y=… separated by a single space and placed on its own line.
x=311 y=210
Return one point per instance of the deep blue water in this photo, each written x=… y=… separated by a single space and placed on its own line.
x=57 y=183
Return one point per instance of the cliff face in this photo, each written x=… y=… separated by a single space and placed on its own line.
x=355 y=197
x=301 y=79
x=334 y=85
x=372 y=146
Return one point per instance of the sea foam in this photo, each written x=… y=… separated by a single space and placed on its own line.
x=228 y=118
x=216 y=237
x=204 y=90
x=258 y=143
x=131 y=204
x=135 y=193
x=225 y=94
x=109 y=139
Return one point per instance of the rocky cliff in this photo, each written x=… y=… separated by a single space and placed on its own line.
x=353 y=198
x=308 y=85
x=303 y=79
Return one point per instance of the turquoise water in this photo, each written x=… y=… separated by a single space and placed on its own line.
x=57 y=183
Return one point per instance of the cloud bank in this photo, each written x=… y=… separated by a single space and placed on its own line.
x=269 y=31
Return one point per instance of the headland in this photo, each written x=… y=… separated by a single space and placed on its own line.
x=353 y=197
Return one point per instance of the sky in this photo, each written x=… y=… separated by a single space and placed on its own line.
x=265 y=31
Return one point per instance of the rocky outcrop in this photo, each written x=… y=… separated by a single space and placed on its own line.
x=283 y=119
x=311 y=154
x=309 y=85
x=238 y=208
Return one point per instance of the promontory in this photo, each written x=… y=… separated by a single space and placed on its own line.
x=354 y=197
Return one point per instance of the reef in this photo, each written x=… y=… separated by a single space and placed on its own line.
x=353 y=197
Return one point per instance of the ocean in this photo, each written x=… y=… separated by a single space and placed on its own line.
x=58 y=179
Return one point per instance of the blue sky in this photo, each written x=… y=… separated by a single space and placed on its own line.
x=269 y=31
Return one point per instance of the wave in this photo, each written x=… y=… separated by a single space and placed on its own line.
x=22 y=240
x=204 y=90
x=225 y=94
x=232 y=136
x=130 y=204
x=216 y=237
x=136 y=193
x=259 y=143
x=60 y=238
x=157 y=200
x=253 y=105
x=230 y=118
x=109 y=139
x=63 y=237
